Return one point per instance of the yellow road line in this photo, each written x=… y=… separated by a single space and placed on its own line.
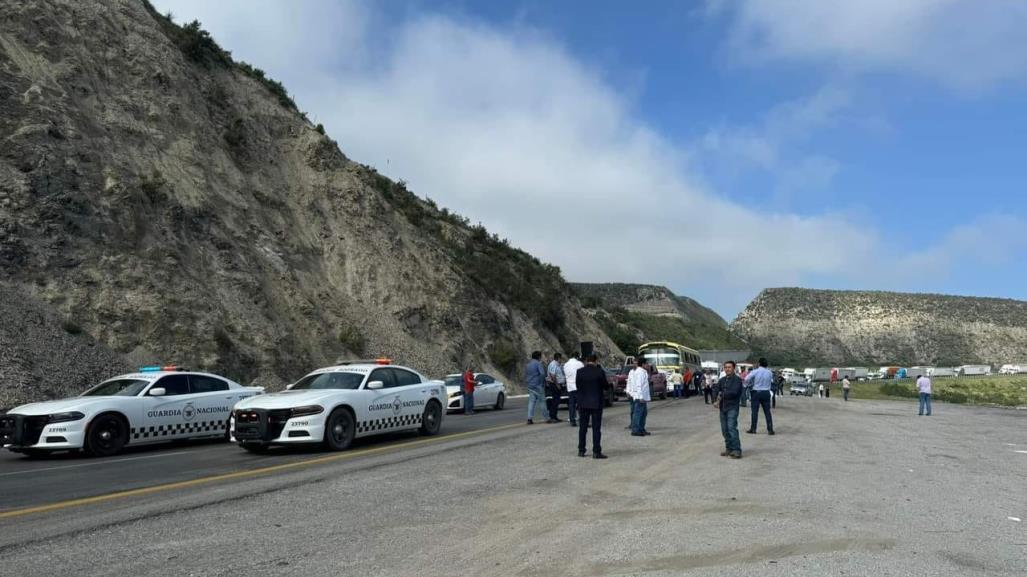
x=241 y=474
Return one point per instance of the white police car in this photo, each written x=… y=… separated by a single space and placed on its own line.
x=488 y=392
x=154 y=405
x=334 y=405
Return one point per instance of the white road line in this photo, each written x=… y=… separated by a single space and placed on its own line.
x=29 y=471
x=1017 y=519
x=518 y=397
x=1024 y=452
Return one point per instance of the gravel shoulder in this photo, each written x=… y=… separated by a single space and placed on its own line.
x=858 y=488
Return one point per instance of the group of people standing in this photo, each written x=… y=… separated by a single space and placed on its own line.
x=584 y=381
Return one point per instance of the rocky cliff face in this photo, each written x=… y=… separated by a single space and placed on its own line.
x=174 y=206
x=633 y=313
x=818 y=327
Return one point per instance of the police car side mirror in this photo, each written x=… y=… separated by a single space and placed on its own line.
x=157 y=392
x=375 y=385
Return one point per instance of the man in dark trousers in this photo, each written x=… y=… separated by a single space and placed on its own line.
x=730 y=396
x=590 y=381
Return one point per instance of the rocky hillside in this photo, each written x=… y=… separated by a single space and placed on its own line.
x=173 y=205
x=634 y=313
x=820 y=327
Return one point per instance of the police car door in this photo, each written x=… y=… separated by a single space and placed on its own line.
x=164 y=415
x=385 y=405
x=206 y=414
x=413 y=395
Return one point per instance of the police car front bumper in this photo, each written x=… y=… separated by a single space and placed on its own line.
x=19 y=432
x=277 y=426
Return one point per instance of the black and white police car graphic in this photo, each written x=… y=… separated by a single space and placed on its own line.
x=154 y=405
x=334 y=405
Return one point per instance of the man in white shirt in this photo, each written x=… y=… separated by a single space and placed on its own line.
x=923 y=386
x=640 y=399
x=570 y=370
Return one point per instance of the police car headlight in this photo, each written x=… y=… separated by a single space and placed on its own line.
x=65 y=417
x=306 y=411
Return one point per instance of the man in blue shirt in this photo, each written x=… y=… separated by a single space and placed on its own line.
x=762 y=381
x=535 y=377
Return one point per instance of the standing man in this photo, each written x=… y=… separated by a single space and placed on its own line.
x=641 y=399
x=730 y=395
x=677 y=381
x=761 y=380
x=707 y=389
x=845 y=388
x=468 y=391
x=570 y=370
x=535 y=377
x=555 y=382
x=590 y=381
x=923 y=386
x=698 y=381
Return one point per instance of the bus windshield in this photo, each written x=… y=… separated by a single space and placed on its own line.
x=662 y=357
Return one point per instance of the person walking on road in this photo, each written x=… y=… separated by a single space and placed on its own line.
x=555 y=383
x=590 y=382
x=846 y=385
x=570 y=370
x=820 y=391
x=468 y=391
x=641 y=399
x=761 y=380
x=923 y=386
x=730 y=396
x=535 y=377
x=698 y=381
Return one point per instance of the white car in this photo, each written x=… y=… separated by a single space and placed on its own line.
x=334 y=405
x=154 y=405
x=488 y=392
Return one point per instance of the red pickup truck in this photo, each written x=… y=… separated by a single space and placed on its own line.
x=619 y=381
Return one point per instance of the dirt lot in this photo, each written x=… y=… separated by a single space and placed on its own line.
x=858 y=488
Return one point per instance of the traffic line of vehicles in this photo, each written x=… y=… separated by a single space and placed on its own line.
x=330 y=406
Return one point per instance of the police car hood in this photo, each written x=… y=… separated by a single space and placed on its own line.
x=83 y=404
x=288 y=399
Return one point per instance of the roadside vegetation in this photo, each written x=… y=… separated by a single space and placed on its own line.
x=996 y=390
x=630 y=329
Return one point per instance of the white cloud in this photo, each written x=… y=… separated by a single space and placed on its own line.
x=986 y=242
x=969 y=45
x=506 y=127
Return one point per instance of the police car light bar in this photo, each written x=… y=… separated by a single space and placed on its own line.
x=158 y=368
x=383 y=361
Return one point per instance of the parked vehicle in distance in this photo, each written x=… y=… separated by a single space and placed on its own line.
x=888 y=372
x=805 y=389
x=822 y=374
x=157 y=404
x=488 y=392
x=657 y=383
x=941 y=372
x=665 y=357
x=334 y=405
x=973 y=370
x=854 y=373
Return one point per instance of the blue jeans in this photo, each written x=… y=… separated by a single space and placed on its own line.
x=536 y=397
x=638 y=415
x=925 y=401
x=729 y=428
x=677 y=391
x=468 y=402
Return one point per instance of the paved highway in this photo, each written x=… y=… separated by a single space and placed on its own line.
x=26 y=482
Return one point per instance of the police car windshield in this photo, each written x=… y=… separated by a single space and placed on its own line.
x=329 y=381
x=117 y=388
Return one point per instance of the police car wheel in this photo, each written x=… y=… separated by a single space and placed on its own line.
x=106 y=436
x=431 y=420
x=339 y=430
x=500 y=402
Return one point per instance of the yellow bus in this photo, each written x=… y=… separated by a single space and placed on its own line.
x=666 y=356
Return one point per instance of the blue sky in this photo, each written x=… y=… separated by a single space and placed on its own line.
x=713 y=147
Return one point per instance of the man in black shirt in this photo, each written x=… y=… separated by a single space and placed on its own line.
x=731 y=388
x=590 y=380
